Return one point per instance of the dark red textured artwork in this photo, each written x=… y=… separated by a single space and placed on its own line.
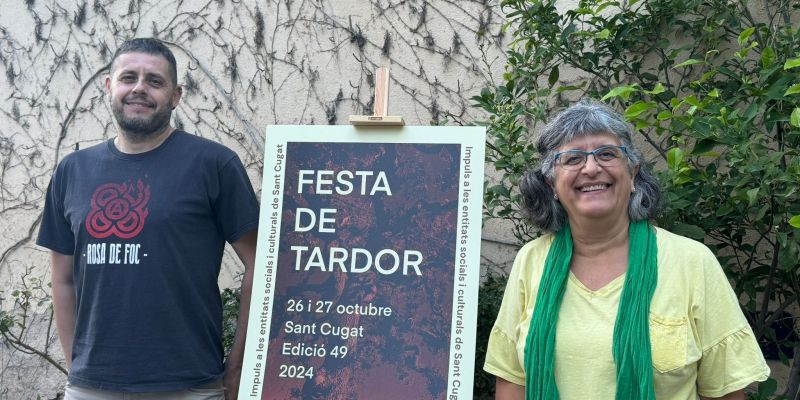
x=118 y=209
x=365 y=271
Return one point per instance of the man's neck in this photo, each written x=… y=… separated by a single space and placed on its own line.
x=132 y=144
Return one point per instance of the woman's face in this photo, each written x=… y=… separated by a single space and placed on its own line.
x=593 y=191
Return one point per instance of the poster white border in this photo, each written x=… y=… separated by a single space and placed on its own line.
x=472 y=141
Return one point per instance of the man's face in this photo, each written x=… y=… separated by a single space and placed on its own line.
x=142 y=94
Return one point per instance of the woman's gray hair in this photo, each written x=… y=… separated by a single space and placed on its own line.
x=585 y=118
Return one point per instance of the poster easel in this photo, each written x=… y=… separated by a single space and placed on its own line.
x=368 y=261
x=380 y=106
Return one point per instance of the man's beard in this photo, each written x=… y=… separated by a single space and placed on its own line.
x=140 y=128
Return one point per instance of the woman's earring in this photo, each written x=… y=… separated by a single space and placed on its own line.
x=555 y=196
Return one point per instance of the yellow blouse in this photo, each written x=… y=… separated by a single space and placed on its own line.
x=701 y=342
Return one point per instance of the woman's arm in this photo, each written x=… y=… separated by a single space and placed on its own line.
x=505 y=390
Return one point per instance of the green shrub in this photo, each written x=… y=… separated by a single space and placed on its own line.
x=230 y=314
x=490 y=297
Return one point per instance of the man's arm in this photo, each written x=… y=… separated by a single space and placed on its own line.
x=245 y=248
x=63 y=289
x=505 y=390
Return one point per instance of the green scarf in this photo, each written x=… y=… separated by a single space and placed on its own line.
x=631 y=346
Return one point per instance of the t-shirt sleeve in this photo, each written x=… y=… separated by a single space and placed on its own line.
x=502 y=359
x=55 y=232
x=731 y=358
x=236 y=206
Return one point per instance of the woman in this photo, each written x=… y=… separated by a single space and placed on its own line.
x=616 y=308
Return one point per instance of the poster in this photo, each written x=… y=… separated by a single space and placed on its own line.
x=367 y=268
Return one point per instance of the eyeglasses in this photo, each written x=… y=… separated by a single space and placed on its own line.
x=607 y=156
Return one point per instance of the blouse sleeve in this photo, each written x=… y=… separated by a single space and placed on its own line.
x=731 y=358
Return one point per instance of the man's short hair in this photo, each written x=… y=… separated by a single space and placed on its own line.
x=148 y=46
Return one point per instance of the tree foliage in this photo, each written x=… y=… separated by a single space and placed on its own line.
x=713 y=88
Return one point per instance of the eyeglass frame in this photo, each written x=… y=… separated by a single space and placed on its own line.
x=586 y=154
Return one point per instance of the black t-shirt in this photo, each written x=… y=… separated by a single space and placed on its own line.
x=147 y=232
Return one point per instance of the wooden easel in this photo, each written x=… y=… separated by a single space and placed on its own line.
x=381 y=105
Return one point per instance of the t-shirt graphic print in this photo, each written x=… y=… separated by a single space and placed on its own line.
x=118 y=209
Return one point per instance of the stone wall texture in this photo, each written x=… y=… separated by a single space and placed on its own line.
x=244 y=64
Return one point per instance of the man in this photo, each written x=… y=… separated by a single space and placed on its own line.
x=137 y=227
